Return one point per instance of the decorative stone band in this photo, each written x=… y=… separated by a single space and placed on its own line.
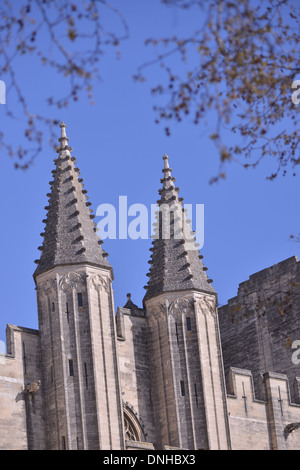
x=74 y=280
x=175 y=308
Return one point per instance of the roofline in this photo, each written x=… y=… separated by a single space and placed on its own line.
x=81 y=263
x=202 y=291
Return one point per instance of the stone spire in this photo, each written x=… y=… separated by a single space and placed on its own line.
x=175 y=261
x=70 y=233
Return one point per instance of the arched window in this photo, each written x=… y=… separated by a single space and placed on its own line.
x=133 y=430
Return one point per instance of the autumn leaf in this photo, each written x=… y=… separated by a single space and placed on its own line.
x=225 y=155
x=72 y=34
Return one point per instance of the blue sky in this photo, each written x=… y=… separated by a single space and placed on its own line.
x=119 y=149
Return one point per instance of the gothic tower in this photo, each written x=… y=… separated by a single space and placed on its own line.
x=188 y=387
x=80 y=381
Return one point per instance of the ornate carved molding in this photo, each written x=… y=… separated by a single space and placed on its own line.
x=71 y=280
x=134 y=428
x=207 y=306
x=48 y=286
x=175 y=308
x=99 y=282
x=157 y=312
x=180 y=306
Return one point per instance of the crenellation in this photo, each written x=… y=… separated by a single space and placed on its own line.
x=260 y=324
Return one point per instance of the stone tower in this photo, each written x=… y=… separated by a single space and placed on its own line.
x=80 y=379
x=188 y=387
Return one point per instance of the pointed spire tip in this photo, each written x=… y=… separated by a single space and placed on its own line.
x=166 y=163
x=63 y=138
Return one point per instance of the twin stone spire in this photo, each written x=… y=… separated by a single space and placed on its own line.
x=175 y=263
x=70 y=234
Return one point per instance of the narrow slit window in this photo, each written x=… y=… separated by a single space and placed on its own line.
x=85 y=375
x=182 y=388
x=67 y=311
x=71 y=368
x=53 y=307
x=79 y=299
x=24 y=357
x=176 y=333
x=188 y=324
x=196 y=394
x=63 y=443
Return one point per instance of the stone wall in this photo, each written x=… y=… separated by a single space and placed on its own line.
x=259 y=326
x=270 y=424
x=21 y=423
x=133 y=352
x=187 y=371
x=79 y=357
x=247 y=415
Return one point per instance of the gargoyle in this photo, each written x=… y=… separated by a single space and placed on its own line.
x=290 y=428
x=32 y=387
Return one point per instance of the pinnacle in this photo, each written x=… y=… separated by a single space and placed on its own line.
x=64 y=149
x=69 y=236
x=168 y=192
x=129 y=304
x=175 y=261
x=166 y=161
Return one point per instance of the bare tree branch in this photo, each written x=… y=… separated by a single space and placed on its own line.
x=240 y=65
x=76 y=37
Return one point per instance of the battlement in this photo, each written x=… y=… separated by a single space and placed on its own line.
x=11 y=337
x=276 y=287
x=259 y=325
x=120 y=321
x=289 y=267
x=269 y=423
